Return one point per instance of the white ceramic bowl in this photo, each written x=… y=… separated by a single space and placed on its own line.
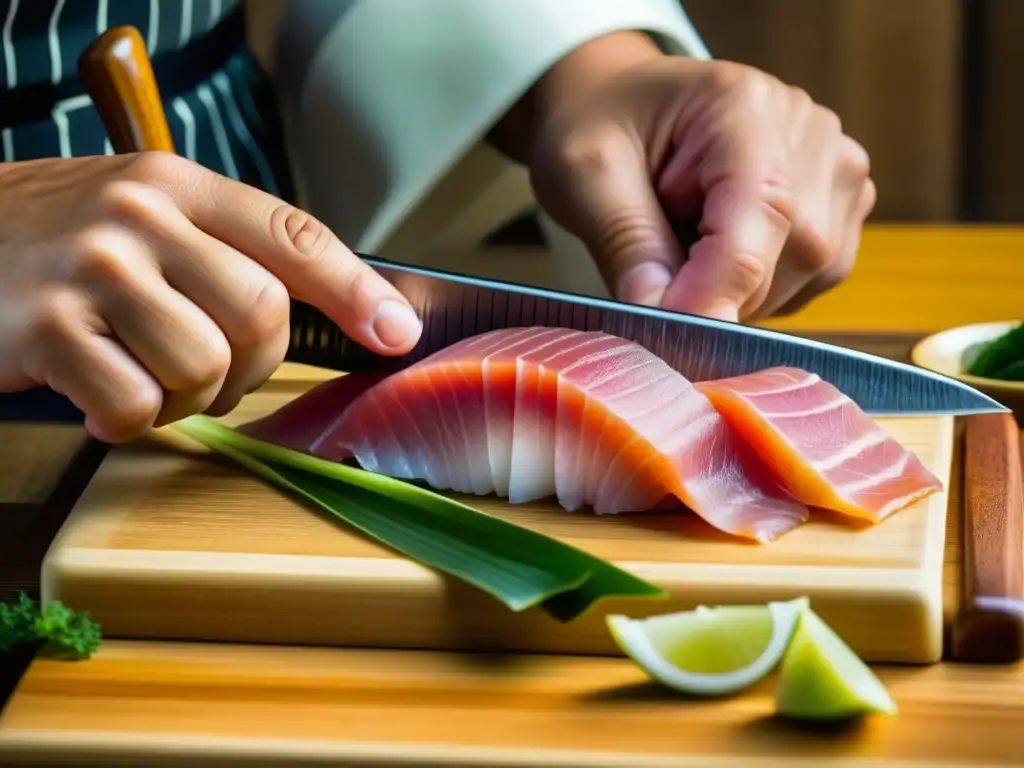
x=952 y=351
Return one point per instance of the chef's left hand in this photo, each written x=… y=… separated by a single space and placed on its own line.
x=628 y=144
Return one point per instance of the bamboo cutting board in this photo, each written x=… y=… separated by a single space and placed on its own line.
x=178 y=705
x=167 y=545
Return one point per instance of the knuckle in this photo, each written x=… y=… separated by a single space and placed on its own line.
x=267 y=317
x=728 y=76
x=301 y=232
x=584 y=157
x=130 y=201
x=223 y=404
x=803 y=103
x=99 y=256
x=829 y=120
x=842 y=270
x=780 y=203
x=747 y=273
x=855 y=157
x=207 y=367
x=743 y=83
x=120 y=195
x=625 y=232
x=158 y=167
x=837 y=271
x=587 y=153
x=815 y=255
x=133 y=414
x=869 y=196
x=831 y=279
x=57 y=317
x=818 y=258
x=814 y=251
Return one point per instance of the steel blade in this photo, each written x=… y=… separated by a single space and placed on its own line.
x=454 y=307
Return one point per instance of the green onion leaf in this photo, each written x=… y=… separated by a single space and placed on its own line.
x=1002 y=358
x=517 y=566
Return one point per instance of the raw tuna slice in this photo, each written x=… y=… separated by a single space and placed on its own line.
x=530 y=413
x=820 y=444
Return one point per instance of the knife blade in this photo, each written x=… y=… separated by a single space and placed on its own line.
x=455 y=306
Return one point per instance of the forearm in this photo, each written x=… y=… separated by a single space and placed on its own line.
x=569 y=80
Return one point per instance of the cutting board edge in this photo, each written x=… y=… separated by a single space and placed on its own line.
x=158 y=750
x=906 y=604
x=96 y=560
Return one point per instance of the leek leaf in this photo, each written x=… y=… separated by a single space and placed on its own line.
x=517 y=566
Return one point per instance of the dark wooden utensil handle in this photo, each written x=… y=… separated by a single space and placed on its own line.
x=118 y=75
x=990 y=624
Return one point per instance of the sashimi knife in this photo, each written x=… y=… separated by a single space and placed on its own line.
x=454 y=306
x=117 y=73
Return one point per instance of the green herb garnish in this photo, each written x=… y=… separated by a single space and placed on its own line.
x=61 y=632
x=517 y=566
x=1002 y=358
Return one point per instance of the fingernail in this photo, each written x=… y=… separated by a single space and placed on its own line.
x=644 y=284
x=395 y=323
x=95 y=430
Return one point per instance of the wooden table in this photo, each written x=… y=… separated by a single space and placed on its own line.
x=908 y=281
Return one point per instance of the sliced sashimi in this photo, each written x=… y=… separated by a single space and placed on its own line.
x=530 y=413
x=820 y=444
x=300 y=423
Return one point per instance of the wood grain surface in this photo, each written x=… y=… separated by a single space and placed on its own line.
x=990 y=626
x=167 y=545
x=165 y=704
x=922 y=279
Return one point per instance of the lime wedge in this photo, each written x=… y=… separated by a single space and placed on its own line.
x=709 y=651
x=823 y=679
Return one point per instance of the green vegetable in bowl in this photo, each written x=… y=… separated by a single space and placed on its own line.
x=1002 y=358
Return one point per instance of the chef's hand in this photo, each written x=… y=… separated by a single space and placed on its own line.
x=629 y=143
x=146 y=288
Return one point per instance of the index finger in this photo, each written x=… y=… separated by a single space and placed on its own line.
x=299 y=250
x=747 y=215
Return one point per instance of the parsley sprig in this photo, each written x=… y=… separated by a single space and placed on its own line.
x=60 y=632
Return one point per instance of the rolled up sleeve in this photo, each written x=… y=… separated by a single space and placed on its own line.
x=383 y=97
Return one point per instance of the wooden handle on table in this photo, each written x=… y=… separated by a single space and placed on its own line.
x=990 y=623
x=118 y=75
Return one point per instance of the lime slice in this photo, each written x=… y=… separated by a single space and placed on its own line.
x=823 y=679
x=709 y=651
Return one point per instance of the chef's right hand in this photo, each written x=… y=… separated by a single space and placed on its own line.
x=147 y=288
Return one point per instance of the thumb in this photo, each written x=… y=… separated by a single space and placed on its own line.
x=748 y=212
x=599 y=188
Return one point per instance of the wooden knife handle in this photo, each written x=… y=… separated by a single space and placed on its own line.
x=990 y=624
x=118 y=75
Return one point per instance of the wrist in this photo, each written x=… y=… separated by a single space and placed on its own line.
x=571 y=80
